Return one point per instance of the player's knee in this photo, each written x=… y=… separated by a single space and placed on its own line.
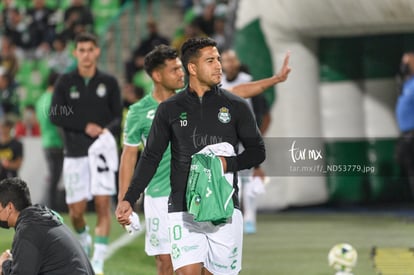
x=76 y=214
x=102 y=205
x=164 y=264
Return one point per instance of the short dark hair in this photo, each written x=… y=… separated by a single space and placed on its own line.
x=60 y=37
x=86 y=37
x=157 y=57
x=191 y=47
x=15 y=190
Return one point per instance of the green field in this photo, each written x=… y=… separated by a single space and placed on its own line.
x=287 y=243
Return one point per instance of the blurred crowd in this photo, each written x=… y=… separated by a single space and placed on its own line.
x=35 y=41
x=200 y=18
x=36 y=44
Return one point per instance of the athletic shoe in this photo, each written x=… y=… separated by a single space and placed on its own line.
x=86 y=243
x=97 y=266
x=249 y=228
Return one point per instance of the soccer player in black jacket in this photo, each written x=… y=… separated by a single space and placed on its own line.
x=202 y=114
x=87 y=103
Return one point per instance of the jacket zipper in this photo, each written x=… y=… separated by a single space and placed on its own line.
x=201 y=107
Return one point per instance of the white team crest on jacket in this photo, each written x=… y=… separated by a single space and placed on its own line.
x=224 y=115
x=74 y=93
x=101 y=90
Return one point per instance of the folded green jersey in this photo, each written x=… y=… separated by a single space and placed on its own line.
x=209 y=194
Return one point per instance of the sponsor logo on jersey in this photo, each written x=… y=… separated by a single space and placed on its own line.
x=234 y=253
x=101 y=90
x=224 y=115
x=151 y=114
x=209 y=192
x=189 y=248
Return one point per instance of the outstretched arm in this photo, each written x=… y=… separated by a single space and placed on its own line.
x=254 y=88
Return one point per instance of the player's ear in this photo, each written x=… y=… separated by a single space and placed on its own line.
x=192 y=68
x=10 y=207
x=156 y=75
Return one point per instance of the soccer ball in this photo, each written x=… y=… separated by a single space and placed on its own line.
x=343 y=257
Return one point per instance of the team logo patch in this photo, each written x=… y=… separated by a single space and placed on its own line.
x=154 y=240
x=224 y=115
x=175 y=252
x=74 y=93
x=101 y=90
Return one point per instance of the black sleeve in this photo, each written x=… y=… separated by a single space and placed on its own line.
x=6 y=267
x=26 y=259
x=116 y=107
x=157 y=142
x=249 y=135
x=261 y=107
x=60 y=112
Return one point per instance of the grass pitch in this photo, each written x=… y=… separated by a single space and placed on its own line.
x=287 y=243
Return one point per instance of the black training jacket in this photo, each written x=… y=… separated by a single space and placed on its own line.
x=76 y=103
x=44 y=245
x=190 y=123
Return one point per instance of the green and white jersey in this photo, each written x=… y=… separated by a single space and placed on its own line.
x=137 y=126
x=209 y=194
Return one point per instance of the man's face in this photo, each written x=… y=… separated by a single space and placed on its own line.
x=87 y=54
x=230 y=63
x=172 y=74
x=208 y=66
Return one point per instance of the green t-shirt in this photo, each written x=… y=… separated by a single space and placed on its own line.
x=50 y=134
x=137 y=126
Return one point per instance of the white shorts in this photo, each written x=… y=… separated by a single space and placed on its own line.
x=218 y=247
x=77 y=181
x=157 y=240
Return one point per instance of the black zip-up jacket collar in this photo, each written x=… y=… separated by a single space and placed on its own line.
x=208 y=94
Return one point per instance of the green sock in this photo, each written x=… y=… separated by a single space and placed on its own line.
x=81 y=230
x=102 y=239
